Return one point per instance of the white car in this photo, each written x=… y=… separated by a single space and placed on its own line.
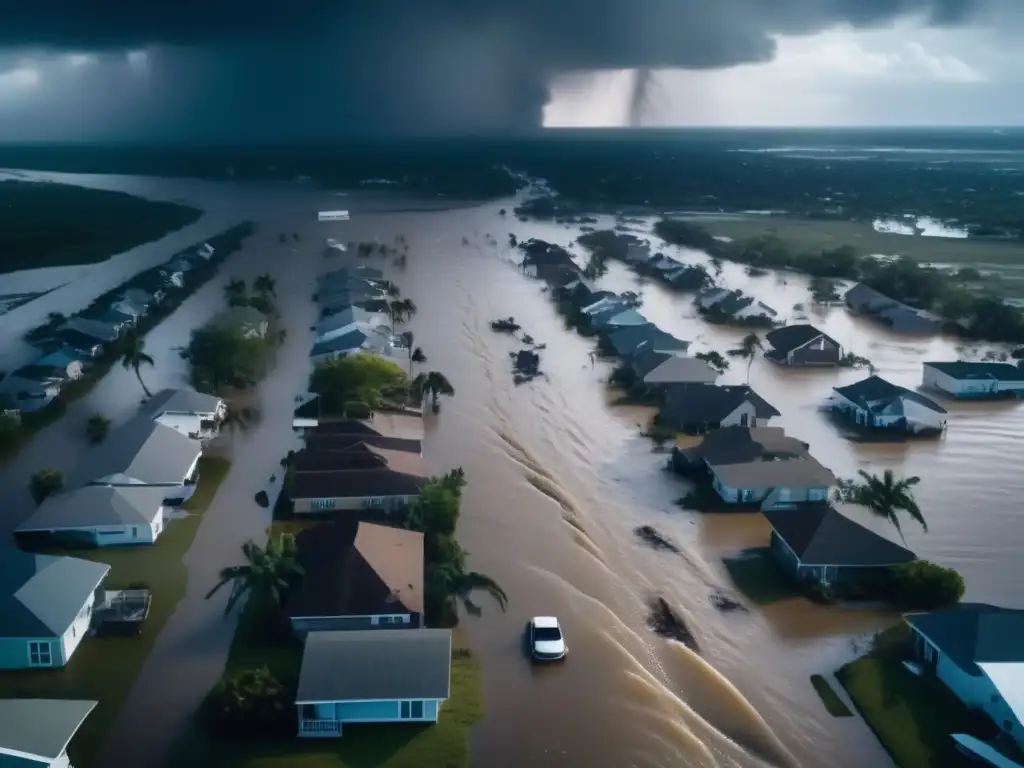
x=546 y=640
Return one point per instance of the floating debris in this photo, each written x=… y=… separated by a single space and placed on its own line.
x=668 y=624
x=505 y=325
x=655 y=538
x=525 y=365
x=725 y=603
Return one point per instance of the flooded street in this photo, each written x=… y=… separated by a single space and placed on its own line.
x=558 y=480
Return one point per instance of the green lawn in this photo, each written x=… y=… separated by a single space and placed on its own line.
x=105 y=668
x=757 y=576
x=835 y=706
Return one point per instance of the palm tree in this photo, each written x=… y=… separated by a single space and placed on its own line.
x=415 y=353
x=235 y=293
x=265 y=284
x=401 y=310
x=133 y=357
x=748 y=348
x=434 y=384
x=449 y=581
x=884 y=496
x=266 y=575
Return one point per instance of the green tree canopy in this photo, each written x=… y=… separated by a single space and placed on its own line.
x=884 y=496
x=45 y=483
x=224 y=356
x=365 y=378
x=266 y=575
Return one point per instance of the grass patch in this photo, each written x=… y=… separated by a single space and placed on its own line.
x=912 y=716
x=105 y=668
x=833 y=704
x=758 y=577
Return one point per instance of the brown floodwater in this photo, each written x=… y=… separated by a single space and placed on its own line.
x=558 y=480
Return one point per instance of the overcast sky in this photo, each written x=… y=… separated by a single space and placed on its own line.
x=334 y=67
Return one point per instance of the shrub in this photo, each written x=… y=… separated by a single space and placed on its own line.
x=356 y=409
x=44 y=483
x=250 y=704
x=924 y=586
x=262 y=499
x=97 y=428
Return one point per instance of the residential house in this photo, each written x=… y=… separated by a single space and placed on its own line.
x=327 y=441
x=28 y=395
x=977 y=651
x=817 y=545
x=964 y=380
x=306 y=415
x=874 y=403
x=404 y=424
x=615 y=317
x=139 y=453
x=46 y=607
x=188 y=412
x=637 y=253
x=62 y=363
x=734 y=305
x=349 y=319
x=83 y=344
x=121 y=322
x=583 y=297
x=100 y=516
x=802 y=345
x=175 y=270
x=337 y=301
x=386 y=489
x=335 y=292
x=250 y=321
x=359 y=339
x=679 y=369
x=357 y=576
x=557 y=276
x=356 y=456
x=134 y=301
x=540 y=254
x=629 y=341
x=758 y=465
x=900 y=317
x=604 y=302
x=97 y=330
x=345 y=274
x=663 y=265
x=35 y=733
x=372 y=676
x=698 y=408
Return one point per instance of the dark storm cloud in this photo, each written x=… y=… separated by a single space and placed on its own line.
x=328 y=66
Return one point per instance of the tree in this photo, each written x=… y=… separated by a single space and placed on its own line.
x=236 y=294
x=223 y=356
x=748 y=348
x=97 y=428
x=884 y=496
x=249 y=703
x=10 y=426
x=449 y=582
x=266 y=284
x=714 y=360
x=597 y=266
x=923 y=586
x=266 y=575
x=432 y=384
x=44 y=483
x=364 y=377
x=133 y=357
x=400 y=311
x=415 y=353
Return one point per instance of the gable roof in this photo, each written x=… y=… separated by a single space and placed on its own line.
x=41 y=595
x=97 y=505
x=359 y=270
x=791 y=337
x=354 y=568
x=819 y=535
x=332 y=441
x=357 y=457
x=678 y=369
x=968 y=371
x=142 y=450
x=647 y=337
x=182 y=400
x=646 y=360
x=376 y=664
x=96 y=330
x=76 y=339
x=876 y=394
x=355 y=484
x=138 y=296
x=710 y=403
x=40 y=728
x=735 y=445
x=61 y=357
x=361 y=337
x=974 y=633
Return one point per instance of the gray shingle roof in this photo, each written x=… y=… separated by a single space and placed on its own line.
x=967 y=371
x=40 y=595
x=40 y=727
x=819 y=535
x=759 y=474
x=875 y=394
x=141 y=450
x=182 y=400
x=688 y=404
x=789 y=337
x=973 y=633
x=683 y=370
x=96 y=505
x=374 y=665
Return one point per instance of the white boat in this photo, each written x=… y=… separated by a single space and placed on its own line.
x=983 y=752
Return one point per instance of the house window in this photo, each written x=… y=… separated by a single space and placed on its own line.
x=373 y=501
x=135 y=532
x=417 y=710
x=404 y=710
x=322 y=504
x=39 y=654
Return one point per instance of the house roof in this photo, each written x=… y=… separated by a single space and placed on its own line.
x=876 y=394
x=647 y=337
x=974 y=633
x=791 y=337
x=408 y=426
x=350 y=315
x=353 y=568
x=310 y=409
x=803 y=472
x=735 y=445
x=141 y=450
x=241 y=317
x=97 y=505
x=558 y=274
x=967 y=371
x=355 y=484
x=76 y=339
x=40 y=729
x=618 y=316
x=61 y=357
x=97 y=330
x=678 y=369
x=361 y=337
x=360 y=270
x=329 y=441
x=819 y=535
x=646 y=360
x=358 y=457
x=115 y=317
x=376 y=664
x=183 y=400
x=41 y=595
x=861 y=294
x=138 y=296
x=710 y=403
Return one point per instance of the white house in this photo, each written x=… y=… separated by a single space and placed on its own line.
x=191 y=413
x=372 y=676
x=977 y=651
x=964 y=380
x=101 y=516
x=875 y=403
x=46 y=607
x=35 y=733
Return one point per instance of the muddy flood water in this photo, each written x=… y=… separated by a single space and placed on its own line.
x=558 y=480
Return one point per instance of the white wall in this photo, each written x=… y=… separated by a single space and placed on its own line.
x=78 y=629
x=735 y=418
x=180 y=422
x=977 y=692
x=919 y=414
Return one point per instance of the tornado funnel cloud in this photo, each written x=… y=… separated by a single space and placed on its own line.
x=639 y=96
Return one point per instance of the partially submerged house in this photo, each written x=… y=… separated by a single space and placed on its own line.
x=965 y=380
x=372 y=676
x=626 y=342
x=61 y=363
x=874 y=403
x=759 y=465
x=735 y=306
x=357 y=575
x=699 y=408
x=359 y=339
x=100 y=516
x=615 y=317
x=349 y=319
x=679 y=369
x=99 y=331
x=900 y=317
x=46 y=607
x=191 y=413
x=977 y=651
x=35 y=733
x=540 y=254
x=817 y=545
x=802 y=345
